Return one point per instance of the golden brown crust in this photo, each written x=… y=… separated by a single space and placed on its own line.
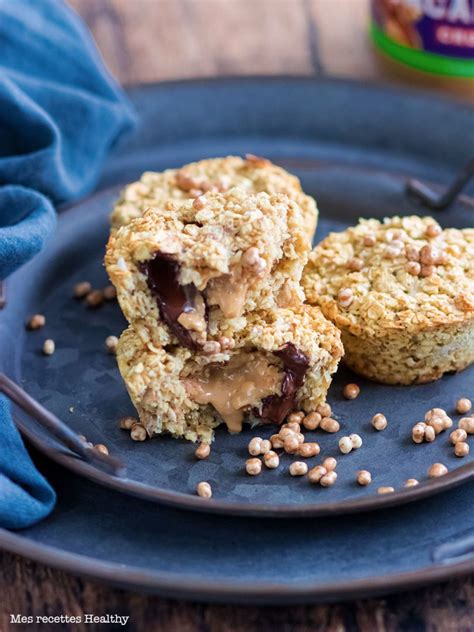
x=397 y=289
x=253 y=174
x=209 y=243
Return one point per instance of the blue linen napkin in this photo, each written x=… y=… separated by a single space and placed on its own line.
x=60 y=113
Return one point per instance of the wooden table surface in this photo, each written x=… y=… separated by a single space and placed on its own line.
x=153 y=40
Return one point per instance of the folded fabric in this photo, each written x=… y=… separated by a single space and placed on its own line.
x=25 y=496
x=60 y=113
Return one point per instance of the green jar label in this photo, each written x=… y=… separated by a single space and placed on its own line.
x=436 y=36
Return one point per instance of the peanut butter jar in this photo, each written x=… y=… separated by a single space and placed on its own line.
x=429 y=42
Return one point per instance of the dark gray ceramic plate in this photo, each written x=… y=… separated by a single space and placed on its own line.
x=355 y=160
x=135 y=544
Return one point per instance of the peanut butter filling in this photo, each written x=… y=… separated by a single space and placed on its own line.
x=236 y=387
x=194 y=318
x=229 y=292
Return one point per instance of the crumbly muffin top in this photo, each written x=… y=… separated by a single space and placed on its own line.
x=252 y=174
x=210 y=235
x=401 y=273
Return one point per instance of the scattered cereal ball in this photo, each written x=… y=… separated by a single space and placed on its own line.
x=251 y=257
x=265 y=446
x=437 y=469
x=411 y=482
x=286 y=432
x=291 y=444
x=312 y=421
x=298 y=468
x=438 y=413
x=433 y=230
x=329 y=425
x=379 y=421
x=211 y=347
x=199 y=203
x=276 y=441
x=204 y=490
x=369 y=240
x=324 y=410
x=36 y=322
x=202 y=451
x=111 y=343
x=412 y=253
x=94 y=298
x=316 y=473
x=426 y=271
x=255 y=446
x=296 y=418
x=226 y=343
x=351 y=391
x=385 y=490
x=253 y=466
x=437 y=424
x=345 y=297
x=429 y=255
x=364 y=477
x=413 y=268
x=126 y=423
x=457 y=436
x=423 y=432
x=100 y=447
x=110 y=293
x=49 y=347
x=307 y=450
x=467 y=424
x=328 y=479
x=461 y=449
x=356 y=440
x=430 y=434
x=345 y=445
x=82 y=289
x=418 y=432
x=138 y=432
x=271 y=460
x=463 y=405
x=330 y=463
x=293 y=425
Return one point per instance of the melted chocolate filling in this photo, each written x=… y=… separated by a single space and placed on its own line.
x=276 y=408
x=173 y=299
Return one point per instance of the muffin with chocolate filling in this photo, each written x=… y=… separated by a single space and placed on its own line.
x=253 y=174
x=276 y=364
x=402 y=293
x=193 y=272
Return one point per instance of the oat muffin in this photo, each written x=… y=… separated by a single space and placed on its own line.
x=192 y=273
x=402 y=293
x=279 y=362
x=253 y=174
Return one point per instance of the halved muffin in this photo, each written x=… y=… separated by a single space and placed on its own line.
x=278 y=363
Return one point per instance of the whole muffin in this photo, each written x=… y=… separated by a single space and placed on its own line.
x=280 y=362
x=252 y=173
x=402 y=293
x=191 y=273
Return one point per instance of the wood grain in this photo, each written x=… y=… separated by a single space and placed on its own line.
x=30 y=588
x=154 y=40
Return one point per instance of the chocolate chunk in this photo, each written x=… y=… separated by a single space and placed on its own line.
x=173 y=299
x=276 y=408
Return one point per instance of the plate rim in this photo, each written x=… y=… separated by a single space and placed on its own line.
x=182 y=500
x=188 y=501
x=221 y=590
